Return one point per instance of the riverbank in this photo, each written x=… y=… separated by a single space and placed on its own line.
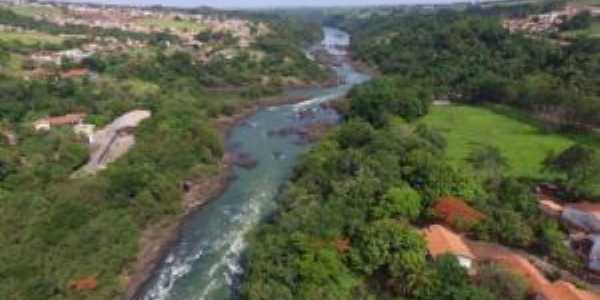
x=157 y=239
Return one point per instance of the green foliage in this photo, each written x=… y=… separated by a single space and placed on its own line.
x=468 y=56
x=375 y=100
x=551 y=243
x=502 y=283
x=581 y=20
x=488 y=160
x=581 y=165
x=435 y=178
x=355 y=134
x=403 y=202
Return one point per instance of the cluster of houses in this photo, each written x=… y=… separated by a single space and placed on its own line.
x=540 y=23
x=441 y=240
x=547 y=22
x=132 y=19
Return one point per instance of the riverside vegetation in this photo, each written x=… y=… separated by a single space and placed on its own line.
x=55 y=229
x=347 y=224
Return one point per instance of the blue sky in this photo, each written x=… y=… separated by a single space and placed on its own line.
x=264 y=3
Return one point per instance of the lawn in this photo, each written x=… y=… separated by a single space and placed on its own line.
x=523 y=144
x=29 y=37
x=178 y=25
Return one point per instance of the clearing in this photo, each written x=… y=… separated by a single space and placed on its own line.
x=520 y=140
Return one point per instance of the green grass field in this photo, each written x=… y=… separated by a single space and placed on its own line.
x=178 y=25
x=36 y=10
x=29 y=37
x=522 y=142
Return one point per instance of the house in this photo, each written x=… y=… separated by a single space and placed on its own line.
x=456 y=212
x=69 y=119
x=441 y=240
x=583 y=215
x=74 y=73
x=562 y=290
x=520 y=266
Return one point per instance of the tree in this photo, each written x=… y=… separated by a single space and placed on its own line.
x=581 y=165
x=376 y=99
x=581 y=20
x=551 y=243
x=502 y=283
x=402 y=202
x=390 y=246
x=488 y=160
x=355 y=134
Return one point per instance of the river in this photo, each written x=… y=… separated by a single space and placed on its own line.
x=204 y=261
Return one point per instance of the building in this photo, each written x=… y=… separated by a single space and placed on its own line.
x=456 y=212
x=441 y=240
x=69 y=119
x=75 y=73
x=562 y=290
x=520 y=266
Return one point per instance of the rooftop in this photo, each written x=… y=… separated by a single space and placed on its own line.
x=562 y=290
x=441 y=240
x=455 y=211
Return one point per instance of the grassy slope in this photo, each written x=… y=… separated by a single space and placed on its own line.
x=30 y=37
x=34 y=10
x=522 y=143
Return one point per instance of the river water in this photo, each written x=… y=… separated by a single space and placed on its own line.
x=204 y=262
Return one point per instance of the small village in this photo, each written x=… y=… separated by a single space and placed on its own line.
x=582 y=219
x=396 y=164
x=185 y=27
x=548 y=22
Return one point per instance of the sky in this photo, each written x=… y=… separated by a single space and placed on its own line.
x=264 y=3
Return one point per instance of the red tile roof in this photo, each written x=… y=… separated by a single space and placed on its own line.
x=455 y=211
x=441 y=240
x=520 y=266
x=75 y=73
x=68 y=119
x=562 y=290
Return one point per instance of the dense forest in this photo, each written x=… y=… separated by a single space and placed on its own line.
x=348 y=225
x=57 y=228
x=469 y=57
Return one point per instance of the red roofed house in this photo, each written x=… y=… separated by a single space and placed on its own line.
x=75 y=73
x=518 y=265
x=441 y=240
x=562 y=290
x=69 y=119
x=456 y=212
